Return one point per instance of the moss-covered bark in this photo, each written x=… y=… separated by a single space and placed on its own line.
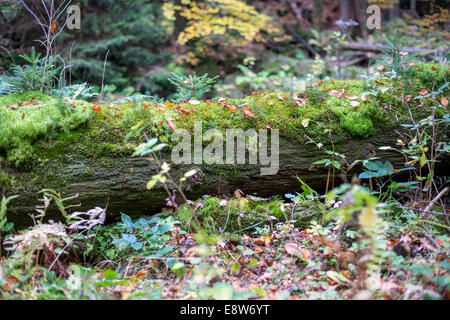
x=94 y=159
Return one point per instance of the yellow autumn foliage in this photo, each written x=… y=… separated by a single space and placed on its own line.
x=229 y=22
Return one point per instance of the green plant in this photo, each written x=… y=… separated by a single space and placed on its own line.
x=38 y=74
x=5 y=226
x=192 y=86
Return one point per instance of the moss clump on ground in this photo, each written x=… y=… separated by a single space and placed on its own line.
x=237 y=214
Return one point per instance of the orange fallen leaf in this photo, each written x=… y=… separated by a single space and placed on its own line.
x=248 y=112
x=141 y=273
x=171 y=125
x=352 y=97
x=97 y=108
x=23 y=116
x=53 y=27
x=184 y=111
x=382 y=69
x=423 y=92
x=169 y=104
x=231 y=107
x=306 y=254
x=317 y=84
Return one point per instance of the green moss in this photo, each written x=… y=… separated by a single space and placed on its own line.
x=60 y=133
x=428 y=75
x=244 y=213
x=30 y=116
x=6 y=181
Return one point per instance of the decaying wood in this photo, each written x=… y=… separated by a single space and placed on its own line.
x=123 y=180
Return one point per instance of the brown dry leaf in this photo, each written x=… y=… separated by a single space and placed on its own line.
x=301 y=102
x=292 y=248
x=444 y=102
x=352 y=97
x=382 y=69
x=231 y=107
x=259 y=241
x=306 y=254
x=423 y=92
x=408 y=98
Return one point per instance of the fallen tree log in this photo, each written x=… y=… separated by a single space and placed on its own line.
x=94 y=160
x=122 y=182
x=355 y=46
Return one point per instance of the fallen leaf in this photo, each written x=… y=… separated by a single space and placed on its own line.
x=423 y=92
x=317 y=84
x=444 y=102
x=382 y=69
x=230 y=107
x=96 y=108
x=292 y=248
x=248 y=112
x=53 y=27
x=339 y=278
x=169 y=104
x=352 y=97
x=355 y=103
x=171 y=125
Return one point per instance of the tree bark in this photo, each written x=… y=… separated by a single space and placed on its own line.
x=121 y=182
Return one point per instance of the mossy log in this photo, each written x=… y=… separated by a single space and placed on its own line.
x=87 y=153
x=121 y=182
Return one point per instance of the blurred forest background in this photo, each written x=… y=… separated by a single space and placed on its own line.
x=252 y=45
